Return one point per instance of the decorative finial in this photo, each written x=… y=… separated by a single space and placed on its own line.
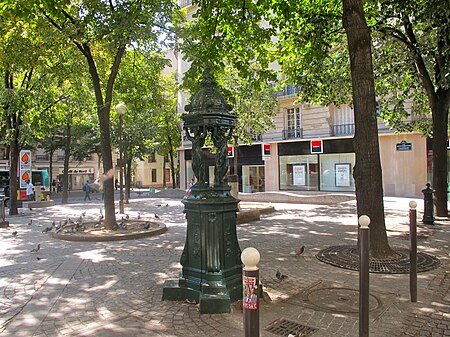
x=208 y=78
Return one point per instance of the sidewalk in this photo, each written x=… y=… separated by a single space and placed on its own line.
x=115 y=288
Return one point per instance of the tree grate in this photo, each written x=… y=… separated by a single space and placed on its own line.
x=347 y=257
x=283 y=327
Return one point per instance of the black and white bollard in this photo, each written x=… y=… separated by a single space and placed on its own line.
x=250 y=303
x=364 y=243
x=413 y=250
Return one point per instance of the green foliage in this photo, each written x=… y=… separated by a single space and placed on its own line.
x=227 y=33
x=255 y=107
x=139 y=88
x=412 y=58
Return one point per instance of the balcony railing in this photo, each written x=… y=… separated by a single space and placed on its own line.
x=293 y=133
x=342 y=129
x=289 y=90
x=256 y=137
x=184 y=3
x=42 y=157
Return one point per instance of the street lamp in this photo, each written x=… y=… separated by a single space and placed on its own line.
x=121 y=109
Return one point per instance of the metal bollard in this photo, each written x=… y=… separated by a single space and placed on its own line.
x=428 y=209
x=2 y=208
x=413 y=251
x=364 y=242
x=250 y=303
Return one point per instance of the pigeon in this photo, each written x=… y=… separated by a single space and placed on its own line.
x=156 y=216
x=39 y=258
x=139 y=215
x=280 y=276
x=83 y=214
x=58 y=226
x=47 y=229
x=35 y=250
x=30 y=223
x=147 y=225
x=127 y=217
x=14 y=233
x=298 y=251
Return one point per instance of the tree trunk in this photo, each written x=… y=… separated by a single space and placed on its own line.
x=108 y=183
x=367 y=171
x=65 y=185
x=13 y=181
x=164 y=171
x=440 y=108
x=172 y=162
x=50 y=157
x=128 y=164
x=172 y=169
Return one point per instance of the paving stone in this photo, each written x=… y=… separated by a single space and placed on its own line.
x=115 y=288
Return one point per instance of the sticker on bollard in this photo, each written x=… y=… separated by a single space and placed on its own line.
x=250 y=300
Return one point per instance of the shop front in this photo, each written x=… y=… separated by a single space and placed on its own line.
x=326 y=167
x=251 y=170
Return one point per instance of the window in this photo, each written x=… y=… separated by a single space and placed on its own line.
x=154 y=178
x=293 y=118
x=152 y=157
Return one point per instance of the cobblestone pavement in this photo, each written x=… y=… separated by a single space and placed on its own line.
x=115 y=288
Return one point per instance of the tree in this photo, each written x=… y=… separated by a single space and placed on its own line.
x=367 y=171
x=415 y=40
x=141 y=89
x=27 y=92
x=168 y=137
x=101 y=31
x=308 y=42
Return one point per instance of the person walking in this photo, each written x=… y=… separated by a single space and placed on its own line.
x=29 y=190
x=87 y=190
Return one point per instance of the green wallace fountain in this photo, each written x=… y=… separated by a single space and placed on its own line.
x=211 y=260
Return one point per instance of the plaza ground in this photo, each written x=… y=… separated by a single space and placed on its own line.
x=115 y=288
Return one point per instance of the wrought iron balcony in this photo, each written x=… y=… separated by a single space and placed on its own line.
x=289 y=90
x=184 y=3
x=293 y=133
x=342 y=129
x=42 y=157
x=256 y=137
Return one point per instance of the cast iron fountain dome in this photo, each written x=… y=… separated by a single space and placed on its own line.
x=211 y=264
x=208 y=99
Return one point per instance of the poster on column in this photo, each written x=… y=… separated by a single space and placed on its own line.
x=342 y=175
x=24 y=167
x=299 y=175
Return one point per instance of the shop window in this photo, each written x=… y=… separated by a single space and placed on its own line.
x=336 y=172
x=253 y=178
x=299 y=172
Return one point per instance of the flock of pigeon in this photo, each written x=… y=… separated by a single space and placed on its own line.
x=69 y=226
